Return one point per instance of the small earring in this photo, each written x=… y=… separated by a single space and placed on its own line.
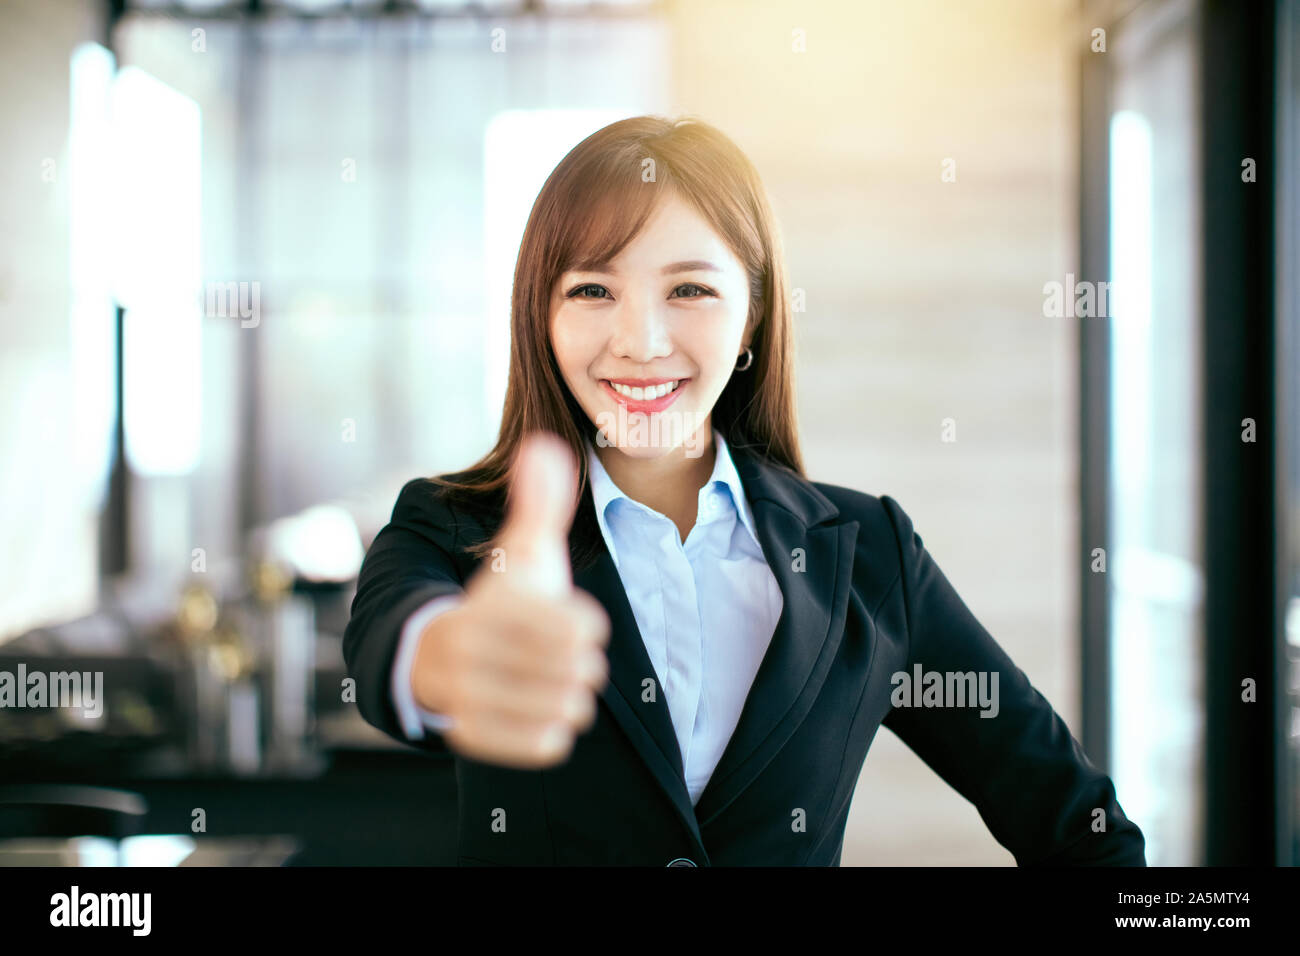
x=749 y=359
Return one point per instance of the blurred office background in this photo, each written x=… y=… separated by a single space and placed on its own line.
x=255 y=264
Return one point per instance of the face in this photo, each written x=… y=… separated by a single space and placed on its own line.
x=647 y=347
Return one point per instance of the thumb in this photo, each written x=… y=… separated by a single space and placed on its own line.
x=539 y=511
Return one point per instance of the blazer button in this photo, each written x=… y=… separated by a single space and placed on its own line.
x=680 y=861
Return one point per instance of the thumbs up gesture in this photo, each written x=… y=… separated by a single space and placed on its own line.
x=518 y=663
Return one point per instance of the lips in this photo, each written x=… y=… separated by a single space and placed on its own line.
x=644 y=394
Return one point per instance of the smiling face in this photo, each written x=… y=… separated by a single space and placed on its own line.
x=648 y=346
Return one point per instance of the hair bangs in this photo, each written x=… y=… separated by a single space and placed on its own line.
x=607 y=214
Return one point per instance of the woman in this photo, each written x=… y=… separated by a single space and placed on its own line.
x=643 y=634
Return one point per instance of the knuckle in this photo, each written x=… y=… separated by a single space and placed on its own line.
x=584 y=709
x=549 y=741
x=599 y=669
x=576 y=705
x=579 y=675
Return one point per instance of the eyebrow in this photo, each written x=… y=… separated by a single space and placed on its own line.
x=688 y=265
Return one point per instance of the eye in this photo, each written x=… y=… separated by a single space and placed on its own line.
x=698 y=288
x=575 y=293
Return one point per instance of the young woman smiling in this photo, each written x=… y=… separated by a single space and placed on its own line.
x=643 y=634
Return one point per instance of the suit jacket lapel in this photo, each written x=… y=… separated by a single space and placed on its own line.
x=813 y=566
x=647 y=723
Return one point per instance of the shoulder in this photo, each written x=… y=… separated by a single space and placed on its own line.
x=883 y=525
x=446 y=516
x=889 y=550
x=874 y=513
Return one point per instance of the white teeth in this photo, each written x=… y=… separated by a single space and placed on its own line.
x=647 y=394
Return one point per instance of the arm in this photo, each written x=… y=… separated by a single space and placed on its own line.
x=409 y=563
x=1028 y=777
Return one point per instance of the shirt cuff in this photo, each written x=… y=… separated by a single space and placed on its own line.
x=414 y=718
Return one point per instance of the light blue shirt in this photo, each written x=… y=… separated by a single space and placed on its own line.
x=706 y=608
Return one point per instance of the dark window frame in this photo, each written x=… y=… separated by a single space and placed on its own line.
x=1246 y=796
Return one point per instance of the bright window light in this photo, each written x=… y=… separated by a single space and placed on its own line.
x=156 y=270
x=91 y=341
x=1135 y=722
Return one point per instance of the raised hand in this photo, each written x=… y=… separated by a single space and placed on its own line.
x=518 y=664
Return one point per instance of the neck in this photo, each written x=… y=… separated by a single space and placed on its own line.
x=670 y=484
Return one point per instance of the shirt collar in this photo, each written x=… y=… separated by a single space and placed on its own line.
x=604 y=491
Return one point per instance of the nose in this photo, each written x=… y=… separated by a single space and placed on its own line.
x=641 y=331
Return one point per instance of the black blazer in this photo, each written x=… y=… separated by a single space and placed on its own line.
x=869 y=602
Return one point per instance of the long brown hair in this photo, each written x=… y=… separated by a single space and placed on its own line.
x=592 y=205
